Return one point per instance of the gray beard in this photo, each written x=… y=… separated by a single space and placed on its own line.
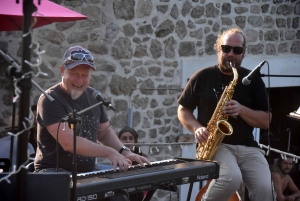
x=75 y=94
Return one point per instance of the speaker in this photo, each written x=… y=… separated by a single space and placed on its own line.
x=40 y=187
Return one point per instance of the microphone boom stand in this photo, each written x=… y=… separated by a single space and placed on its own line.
x=14 y=71
x=73 y=121
x=264 y=75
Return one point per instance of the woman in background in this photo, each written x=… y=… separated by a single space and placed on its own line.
x=129 y=135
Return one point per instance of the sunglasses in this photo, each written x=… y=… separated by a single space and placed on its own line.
x=236 y=50
x=79 y=56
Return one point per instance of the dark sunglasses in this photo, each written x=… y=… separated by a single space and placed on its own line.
x=79 y=56
x=236 y=50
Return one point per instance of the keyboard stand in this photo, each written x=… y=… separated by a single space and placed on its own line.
x=190 y=192
x=150 y=193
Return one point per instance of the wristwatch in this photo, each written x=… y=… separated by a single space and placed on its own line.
x=124 y=148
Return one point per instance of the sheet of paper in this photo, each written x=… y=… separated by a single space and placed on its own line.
x=294 y=114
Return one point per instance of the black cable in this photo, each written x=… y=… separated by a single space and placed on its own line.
x=269 y=116
x=56 y=145
x=269 y=122
x=64 y=119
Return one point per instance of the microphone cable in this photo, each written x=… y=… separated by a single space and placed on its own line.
x=63 y=120
x=269 y=122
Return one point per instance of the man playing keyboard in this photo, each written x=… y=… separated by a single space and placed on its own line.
x=55 y=139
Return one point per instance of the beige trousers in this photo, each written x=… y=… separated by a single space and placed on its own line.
x=240 y=164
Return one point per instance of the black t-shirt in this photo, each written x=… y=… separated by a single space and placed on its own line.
x=204 y=89
x=49 y=113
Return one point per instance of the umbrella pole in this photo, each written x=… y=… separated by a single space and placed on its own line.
x=24 y=102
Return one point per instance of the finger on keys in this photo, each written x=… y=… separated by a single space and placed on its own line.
x=143 y=161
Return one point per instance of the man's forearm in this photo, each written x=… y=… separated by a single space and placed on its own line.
x=88 y=148
x=112 y=140
x=255 y=118
x=187 y=119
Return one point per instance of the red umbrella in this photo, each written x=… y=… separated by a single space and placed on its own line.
x=11 y=14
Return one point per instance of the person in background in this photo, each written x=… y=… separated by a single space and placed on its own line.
x=239 y=155
x=74 y=93
x=129 y=135
x=283 y=182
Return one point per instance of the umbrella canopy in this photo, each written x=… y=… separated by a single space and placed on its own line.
x=11 y=14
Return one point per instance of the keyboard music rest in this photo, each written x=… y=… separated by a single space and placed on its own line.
x=176 y=171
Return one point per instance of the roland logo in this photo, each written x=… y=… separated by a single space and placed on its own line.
x=202 y=177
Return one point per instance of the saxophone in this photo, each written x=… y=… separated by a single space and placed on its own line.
x=218 y=127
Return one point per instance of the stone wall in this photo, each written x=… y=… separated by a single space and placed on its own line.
x=138 y=46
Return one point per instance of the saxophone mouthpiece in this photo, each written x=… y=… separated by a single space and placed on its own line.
x=232 y=64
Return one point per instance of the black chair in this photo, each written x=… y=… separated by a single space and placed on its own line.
x=40 y=187
x=5 y=164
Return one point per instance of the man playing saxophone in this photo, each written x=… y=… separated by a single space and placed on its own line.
x=240 y=158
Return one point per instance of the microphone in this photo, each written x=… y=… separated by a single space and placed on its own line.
x=97 y=95
x=247 y=80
